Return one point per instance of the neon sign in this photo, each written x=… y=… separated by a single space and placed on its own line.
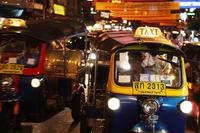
x=189 y=4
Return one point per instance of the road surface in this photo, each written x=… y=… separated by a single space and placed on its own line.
x=62 y=122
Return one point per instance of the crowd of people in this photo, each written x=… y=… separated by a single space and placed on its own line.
x=180 y=37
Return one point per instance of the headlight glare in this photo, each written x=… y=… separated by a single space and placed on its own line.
x=186 y=107
x=35 y=82
x=113 y=103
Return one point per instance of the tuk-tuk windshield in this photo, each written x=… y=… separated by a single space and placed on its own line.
x=19 y=50
x=147 y=66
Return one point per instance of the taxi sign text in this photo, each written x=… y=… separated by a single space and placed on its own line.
x=148 y=32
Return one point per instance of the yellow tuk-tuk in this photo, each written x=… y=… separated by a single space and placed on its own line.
x=146 y=86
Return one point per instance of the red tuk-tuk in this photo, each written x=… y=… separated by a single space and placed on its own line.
x=38 y=64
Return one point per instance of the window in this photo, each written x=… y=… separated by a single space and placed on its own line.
x=147 y=66
x=20 y=50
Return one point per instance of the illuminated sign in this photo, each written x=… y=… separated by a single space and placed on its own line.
x=116 y=1
x=59 y=9
x=14 y=22
x=141 y=13
x=137 y=6
x=191 y=14
x=189 y=4
x=170 y=17
x=104 y=14
x=148 y=32
x=34 y=5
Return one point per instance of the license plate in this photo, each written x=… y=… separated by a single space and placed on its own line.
x=11 y=68
x=149 y=88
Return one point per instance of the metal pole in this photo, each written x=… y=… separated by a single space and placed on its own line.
x=95 y=77
x=44 y=8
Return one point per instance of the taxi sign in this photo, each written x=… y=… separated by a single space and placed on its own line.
x=149 y=88
x=11 y=68
x=13 y=22
x=148 y=32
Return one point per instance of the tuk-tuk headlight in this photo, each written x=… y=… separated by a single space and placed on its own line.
x=8 y=81
x=35 y=82
x=150 y=106
x=113 y=103
x=186 y=107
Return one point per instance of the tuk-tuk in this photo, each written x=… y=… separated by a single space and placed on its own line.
x=38 y=64
x=146 y=89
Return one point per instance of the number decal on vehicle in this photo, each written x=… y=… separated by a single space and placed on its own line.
x=149 y=88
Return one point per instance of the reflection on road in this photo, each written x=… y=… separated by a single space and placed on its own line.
x=62 y=122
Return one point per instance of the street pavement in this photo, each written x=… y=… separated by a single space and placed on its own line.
x=62 y=122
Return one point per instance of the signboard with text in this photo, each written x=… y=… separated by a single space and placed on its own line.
x=104 y=14
x=59 y=9
x=144 y=13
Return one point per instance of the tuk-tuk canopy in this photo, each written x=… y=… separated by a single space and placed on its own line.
x=109 y=40
x=113 y=40
x=49 y=29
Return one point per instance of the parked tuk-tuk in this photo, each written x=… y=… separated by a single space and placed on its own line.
x=38 y=64
x=146 y=88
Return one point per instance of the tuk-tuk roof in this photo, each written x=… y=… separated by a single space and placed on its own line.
x=110 y=39
x=49 y=29
x=113 y=40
